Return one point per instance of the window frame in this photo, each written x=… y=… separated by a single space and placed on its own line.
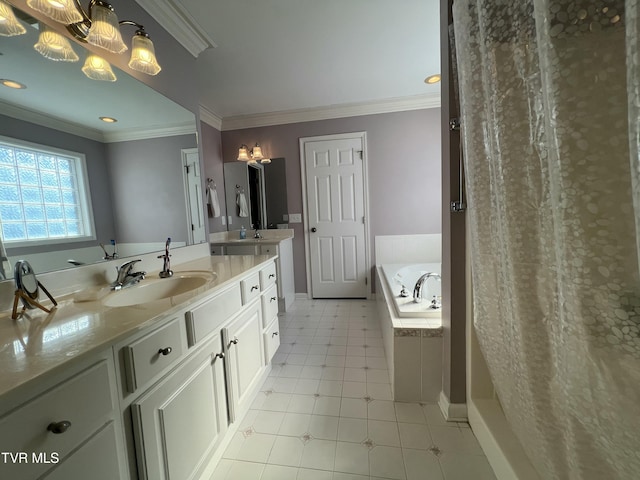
x=84 y=194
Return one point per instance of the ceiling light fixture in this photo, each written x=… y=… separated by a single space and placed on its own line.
x=431 y=79
x=100 y=27
x=97 y=68
x=108 y=119
x=54 y=46
x=252 y=156
x=9 y=24
x=12 y=84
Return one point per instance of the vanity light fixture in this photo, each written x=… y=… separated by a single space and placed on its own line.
x=97 y=68
x=100 y=27
x=54 y=46
x=252 y=156
x=431 y=79
x=9 y=24
x=12 y=84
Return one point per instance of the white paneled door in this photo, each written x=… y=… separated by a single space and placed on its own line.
x=193 y=191
x=335 y=217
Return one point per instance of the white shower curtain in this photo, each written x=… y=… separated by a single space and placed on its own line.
x=550 y=102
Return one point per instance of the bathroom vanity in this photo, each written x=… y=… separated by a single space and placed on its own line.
x=272 y=242
x=147 y=390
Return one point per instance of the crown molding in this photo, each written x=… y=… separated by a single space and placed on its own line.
x=417 y=102
x=147 y=133
x=54 y=123
x=210 y=118
x=180 y=24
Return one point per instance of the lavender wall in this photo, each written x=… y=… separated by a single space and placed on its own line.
x=211 y=151
x=403 y=155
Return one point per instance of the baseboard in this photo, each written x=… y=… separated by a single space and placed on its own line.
x=499 y=444
x=452 y=412
x=302 y=296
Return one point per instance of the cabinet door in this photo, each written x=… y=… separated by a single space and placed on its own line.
x=244 y=357
x=179 y=422
x=97 y=459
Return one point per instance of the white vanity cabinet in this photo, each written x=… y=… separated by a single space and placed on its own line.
x=179 y=422
x=284 y=263
x=68 y=428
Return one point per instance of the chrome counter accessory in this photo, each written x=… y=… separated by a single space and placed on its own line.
x=126 y=277
x=257 y=234
x=417 y=290
x=27 y=289
x=114 y=255
x=166 y=265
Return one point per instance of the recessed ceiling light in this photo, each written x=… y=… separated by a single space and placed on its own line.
x=12 y=84
x=432 y=79
x=108 y=119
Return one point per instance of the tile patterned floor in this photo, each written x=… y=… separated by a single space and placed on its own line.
x=326 y=411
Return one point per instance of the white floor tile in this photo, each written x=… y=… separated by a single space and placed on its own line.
x=286 y=451
x=311 y=372
x=335 y=361
x=355 y=374
x=354 y=389
x=415 y=435
x=309 y=474
x=421 y=465
x=330 y=388
x=279 y=472
x=382 y=410
x=294 y=424
x=296 y=359
x=256 y=448
x=457 y=466
x=434 y=415
x=410 y=413
x=277 y=402
x=319 y=454
x=379 y=391
x=375 y=375
x=384 y=433
x=244 y=470
x=327 y=406
x=323 y=427
x=306 y=386
x=352 y=430
x=284 y=385
x=455 y=440
x=353 y=407
x=387 y=462
x=301 y=404
x=352 y=458
x=267 y=422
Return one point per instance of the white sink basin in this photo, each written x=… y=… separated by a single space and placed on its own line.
x=157 y=289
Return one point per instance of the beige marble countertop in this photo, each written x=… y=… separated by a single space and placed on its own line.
x=37 y=343
x=271 y=236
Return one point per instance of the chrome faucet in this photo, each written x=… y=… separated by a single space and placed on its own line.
x=166 y=265
x=257 y=234
x=126 y=277
x=417 y=290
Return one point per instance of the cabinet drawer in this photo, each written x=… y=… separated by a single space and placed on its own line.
x=269 y=305
x=85 y=401
x=268 y=275
x=153 y=353
x=271 y=340
x=206 y=318
x=250 y=288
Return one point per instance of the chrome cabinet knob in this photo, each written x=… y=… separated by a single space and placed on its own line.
x=165 y=351
x=274 y=334
x=59 y=427
x=219 y=355
x=314 y=229
x=255 y=287
x=234 y=341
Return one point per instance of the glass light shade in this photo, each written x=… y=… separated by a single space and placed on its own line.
x=256 y=152
x=265 y=160
x=143 y=56
x=54 y=46
x=97 y=68
x=63 y=11
x=243 y=154
x=105 y=30
x=9 y=24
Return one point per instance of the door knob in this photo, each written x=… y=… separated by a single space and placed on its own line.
x=314 y=229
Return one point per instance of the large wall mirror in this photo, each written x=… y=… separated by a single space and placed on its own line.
x=262 y=188
x=134 y=167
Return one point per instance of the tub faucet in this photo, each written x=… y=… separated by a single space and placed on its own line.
x=126 y=277
x=417 y=290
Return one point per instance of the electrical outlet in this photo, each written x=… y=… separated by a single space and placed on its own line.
x=224 y=219
x=230 y=220
x=295 y=218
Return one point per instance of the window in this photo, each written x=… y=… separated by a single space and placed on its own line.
x=44 y=195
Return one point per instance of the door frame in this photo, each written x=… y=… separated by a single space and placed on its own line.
x=305 y=212
x=187 y=199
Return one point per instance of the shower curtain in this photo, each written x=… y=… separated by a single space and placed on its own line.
x=550 y=107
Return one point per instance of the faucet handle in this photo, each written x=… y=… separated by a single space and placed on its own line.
x=128 y=266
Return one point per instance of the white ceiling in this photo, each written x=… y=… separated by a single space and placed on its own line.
x=283 y=55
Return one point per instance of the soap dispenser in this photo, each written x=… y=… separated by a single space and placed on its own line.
x=243 y=233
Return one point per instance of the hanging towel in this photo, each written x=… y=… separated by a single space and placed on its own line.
x=213 y=204
x=241 y=200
